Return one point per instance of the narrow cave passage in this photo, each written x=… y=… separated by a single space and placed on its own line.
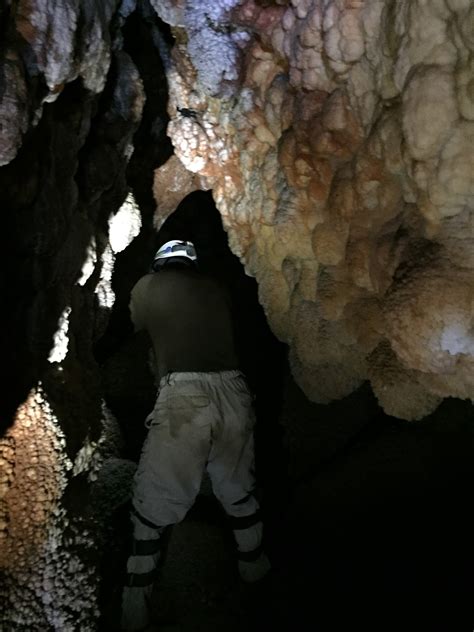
x=199 y=577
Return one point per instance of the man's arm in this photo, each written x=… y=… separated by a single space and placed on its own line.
x=118 y=332
x=136 y=310
x=124 y=322
x=139 y=301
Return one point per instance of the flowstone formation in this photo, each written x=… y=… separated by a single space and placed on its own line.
x=337 y=137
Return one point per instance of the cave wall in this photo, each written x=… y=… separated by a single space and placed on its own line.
x=337 y=138
x=71 y=101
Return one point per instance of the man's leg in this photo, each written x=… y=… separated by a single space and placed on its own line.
x=166 y=483
x=231 y=468
x=142 y=567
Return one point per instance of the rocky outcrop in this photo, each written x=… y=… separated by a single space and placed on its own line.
x=337 y=138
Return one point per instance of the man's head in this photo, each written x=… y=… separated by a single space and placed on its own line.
x=175 y=252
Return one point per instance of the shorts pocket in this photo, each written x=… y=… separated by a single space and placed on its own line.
x=181 y=412
x=242 y=388
x=178 y=402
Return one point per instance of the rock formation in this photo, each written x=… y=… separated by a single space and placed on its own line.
x=70 y=103
x=337 y=138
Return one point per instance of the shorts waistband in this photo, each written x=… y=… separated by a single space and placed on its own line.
x=212 y=377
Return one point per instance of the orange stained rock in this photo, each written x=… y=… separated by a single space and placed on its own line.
x=338 y=139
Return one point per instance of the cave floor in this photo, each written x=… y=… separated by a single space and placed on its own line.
x=379 y=537
x=200 y=588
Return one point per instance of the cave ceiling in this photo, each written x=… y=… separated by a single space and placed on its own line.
x=336 y=136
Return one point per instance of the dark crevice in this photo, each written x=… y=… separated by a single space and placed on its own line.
x=152 y=145
x=37 y=217
x=152 y=148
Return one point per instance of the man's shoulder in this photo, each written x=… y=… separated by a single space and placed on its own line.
x=174 y=277
x=144 y=280
x=142 y=284
x=161 y=279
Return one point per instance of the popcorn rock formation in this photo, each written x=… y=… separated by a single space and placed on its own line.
x=337 y=137
x=41 y=552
